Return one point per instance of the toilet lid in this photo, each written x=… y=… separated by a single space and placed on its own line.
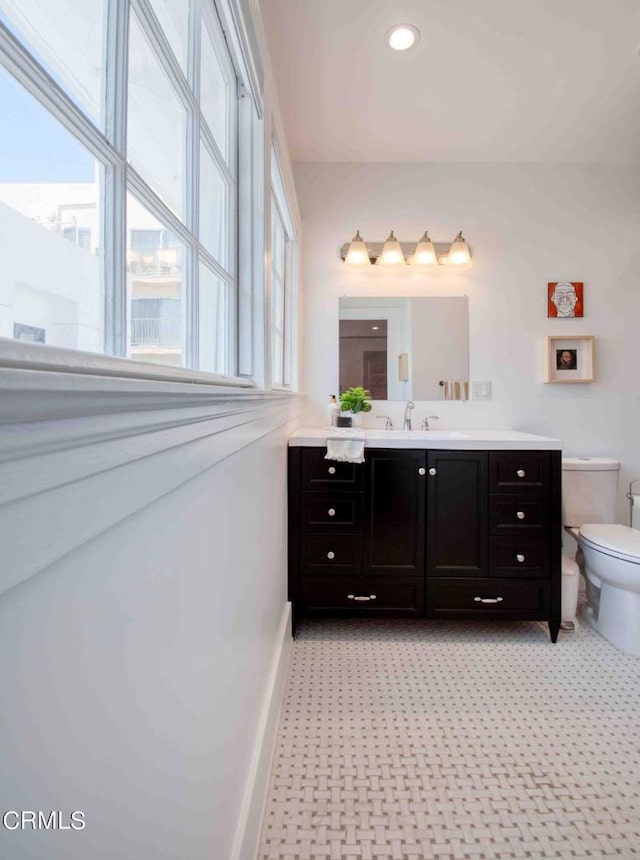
x=613 y=539
x=590 y=464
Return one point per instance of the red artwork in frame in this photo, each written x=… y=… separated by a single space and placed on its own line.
x=565 y=299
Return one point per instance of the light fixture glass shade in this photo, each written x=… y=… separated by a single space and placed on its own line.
x=358 y=253
x=459 y=252
x=391 y=253
x=425 y=253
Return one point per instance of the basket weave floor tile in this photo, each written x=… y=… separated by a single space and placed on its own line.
x=403 y=739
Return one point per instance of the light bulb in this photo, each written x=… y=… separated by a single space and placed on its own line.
x=425 y=253
x=391 y=253
x=358 y=253
x=459 y=252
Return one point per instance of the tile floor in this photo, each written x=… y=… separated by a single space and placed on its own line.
x=403 y=739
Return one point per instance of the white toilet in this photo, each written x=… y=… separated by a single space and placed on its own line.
x=609 y=554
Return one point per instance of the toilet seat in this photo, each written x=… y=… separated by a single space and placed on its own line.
x=612 y=539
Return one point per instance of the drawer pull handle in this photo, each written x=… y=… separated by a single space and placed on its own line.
x=520 y=473
x=488 y=599
x=433 y=471
x=363 y=598
x=331 y=555
x=422 y=471
x=520 y=557
x=332 y=512
x=332 y=470
x=520 y=515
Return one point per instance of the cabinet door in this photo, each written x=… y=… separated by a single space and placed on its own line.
x=457 y=513
x=394 y=517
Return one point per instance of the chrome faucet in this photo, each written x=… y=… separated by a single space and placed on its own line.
x=388 y=424
x=406 y=424
x=425 y=422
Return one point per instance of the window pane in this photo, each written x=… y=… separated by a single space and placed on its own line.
x=155 y=272
x=68 y=41
x=214 y=209
x=216 y=89
x=156 y=123
x=50 y=228
x=174 y=20
x=215 y=322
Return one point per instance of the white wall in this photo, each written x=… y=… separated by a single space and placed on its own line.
x=142 y=668
x=526 y=225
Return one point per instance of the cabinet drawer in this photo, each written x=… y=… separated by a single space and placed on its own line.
x=363 y=595
x=519 y=472
x=337 y=554
x=519 y=557
x=486 y=597
x=515 y=514
x=320 y=474
x=331 y=512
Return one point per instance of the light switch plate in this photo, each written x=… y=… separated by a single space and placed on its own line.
x=481 y=390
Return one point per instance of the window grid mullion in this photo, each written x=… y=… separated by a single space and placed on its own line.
x=114 y=229
x=192 y=272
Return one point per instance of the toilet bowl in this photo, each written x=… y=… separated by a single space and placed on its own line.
x=612 y=570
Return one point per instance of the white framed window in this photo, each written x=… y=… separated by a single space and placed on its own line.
x=284 y=267
x=119 y=135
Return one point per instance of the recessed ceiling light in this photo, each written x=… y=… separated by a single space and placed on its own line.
x=375 y=327
x=402 y=37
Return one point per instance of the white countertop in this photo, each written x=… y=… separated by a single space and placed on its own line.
x=456 y=440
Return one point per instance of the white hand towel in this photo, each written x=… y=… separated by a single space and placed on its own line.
x=346 y=446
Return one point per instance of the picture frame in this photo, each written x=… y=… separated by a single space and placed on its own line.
x=570 y=358
x=565 y=299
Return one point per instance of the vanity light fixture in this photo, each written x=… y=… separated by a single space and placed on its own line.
x=394 y=253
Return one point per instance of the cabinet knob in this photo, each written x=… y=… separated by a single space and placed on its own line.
x=520 y=473
x=361 y=597
x=331 y=555
x=332 y=512
x=433 y=471
x=520 y=557
x=488 y=599
x=332 y=470
x=422 y=471
x=520 y=515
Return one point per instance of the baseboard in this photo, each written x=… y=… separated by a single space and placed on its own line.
x=245 y=844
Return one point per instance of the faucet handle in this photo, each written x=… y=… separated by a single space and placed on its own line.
x=388 y=423
x=425 y=421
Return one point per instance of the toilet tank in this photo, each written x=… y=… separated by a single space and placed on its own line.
x=589 y=487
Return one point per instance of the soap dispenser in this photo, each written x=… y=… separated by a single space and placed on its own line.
x=332 y=411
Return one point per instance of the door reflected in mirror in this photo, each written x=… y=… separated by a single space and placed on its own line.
x=403 y=348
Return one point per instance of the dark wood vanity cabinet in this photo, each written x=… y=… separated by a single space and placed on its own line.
x=436 y=534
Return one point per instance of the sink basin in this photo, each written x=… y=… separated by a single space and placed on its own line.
x=416 y=435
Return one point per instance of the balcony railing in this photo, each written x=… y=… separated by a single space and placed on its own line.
x=156 y=332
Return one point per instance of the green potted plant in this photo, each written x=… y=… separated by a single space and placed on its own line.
x=355 y=400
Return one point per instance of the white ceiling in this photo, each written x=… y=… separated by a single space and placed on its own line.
x=490 y=80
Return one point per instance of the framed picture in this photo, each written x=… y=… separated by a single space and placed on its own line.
x=565 y=299
x=569 y=358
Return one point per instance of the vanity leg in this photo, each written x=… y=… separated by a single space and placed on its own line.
x=554 y=629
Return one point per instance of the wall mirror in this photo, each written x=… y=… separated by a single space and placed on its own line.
x=403 y=348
